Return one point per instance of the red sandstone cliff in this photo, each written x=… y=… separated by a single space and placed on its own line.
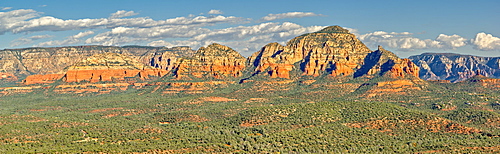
x=214 y=61
x=332 y=51
x=101 y=67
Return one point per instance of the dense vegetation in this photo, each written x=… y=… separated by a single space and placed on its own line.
x=238 y=121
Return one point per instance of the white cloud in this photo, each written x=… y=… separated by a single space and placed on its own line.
x=451 y=41
x=245 y=39
x=122 y=13
x=69 y=41
x=28 y=40
x=160 y=43
x=82 y=34
x=486 y=42
x=123 y=35
x=37 y=37
x=5 y=8
x=406 y=41
x=192 y=30
x=270 y=17
x=26 y=21
x=352 y=31
x=11 y=19
x=215 y=12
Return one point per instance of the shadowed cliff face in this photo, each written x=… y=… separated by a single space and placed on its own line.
x=383 y=62
x=455 y=67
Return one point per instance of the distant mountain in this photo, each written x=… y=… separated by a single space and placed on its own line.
x=455 y=67
x=331 y=54
x=322 y=92
x=332 y=51
x=41 y=61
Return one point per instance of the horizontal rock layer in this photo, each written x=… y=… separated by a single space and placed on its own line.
x=30 y=61
x=455 y=67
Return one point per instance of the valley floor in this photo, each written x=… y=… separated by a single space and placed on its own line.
x=137 y=122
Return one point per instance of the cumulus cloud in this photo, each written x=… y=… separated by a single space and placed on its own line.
x=191 y=30
x=123 y=35
x=69 y=41
x=160 y=43
x=486 y=42
x=122 y=13
x=450 y=41
x=406 y=41
x=11 y=19
x=215 y=12
x=245 y=38
x=28 y=40
x=270 y=17
x=26 y=21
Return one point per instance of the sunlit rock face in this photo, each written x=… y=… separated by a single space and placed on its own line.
x=332 y=51
x=55 y=60
x=214 y=61
x=109 y=67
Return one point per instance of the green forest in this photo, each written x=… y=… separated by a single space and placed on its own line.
x=235 y=121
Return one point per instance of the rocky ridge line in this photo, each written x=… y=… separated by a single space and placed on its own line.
x=455 y=67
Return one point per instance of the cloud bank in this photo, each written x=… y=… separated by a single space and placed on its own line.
x=126 y=27
x=405 y=41
x=121 y=28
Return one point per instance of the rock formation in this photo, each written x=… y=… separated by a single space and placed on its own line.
x=455 y=67
x=381 y=62
x=266 y=59
x=101 y=67
x=168 y=59
x=30 y=61
x=490 y=83
x=332 y=51
x=109 y=67
x=8 y=77
x=42 y=79
x=214 y=61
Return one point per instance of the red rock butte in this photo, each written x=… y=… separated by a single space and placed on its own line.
x=101 y=67
x=329 y=53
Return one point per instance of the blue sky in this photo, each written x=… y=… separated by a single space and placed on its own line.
x=404 y=27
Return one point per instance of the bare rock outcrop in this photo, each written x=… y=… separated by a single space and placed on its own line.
x=109 y=67
x=266 y=61
x=42 y=79
x=30 y=61
x=455 y=67
x=332 y=51
x=214 y=61
x=101 y=67
x=8 y=77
